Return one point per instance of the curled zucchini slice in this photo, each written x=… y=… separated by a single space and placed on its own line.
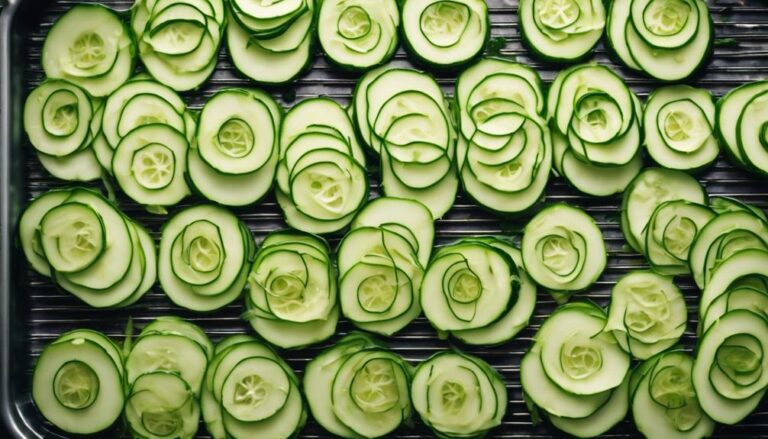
x=647 y=314
x=357 y=388
x=468 y=285
x=591 y=106
x=57 y=118
x=249 y=391
x=729 y=374
x=563 y=249
x=664 y=401
x=672 y=229
x=458 y=395
x=205 y=252
x=445 y=33
x=669 y=40
x=161 y=404
x=504 y=153
x=358 y=34
x=740 y=125
x=380 y=278
x=292 y=289
x=179 y=41
x=679 y=128
x=576 y=373
x=561 y=30
x=90 y=46
x=77 y=383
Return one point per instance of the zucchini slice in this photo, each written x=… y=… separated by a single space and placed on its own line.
x=357 y=388
x=445 y=33
x=205 y=252
x=358 y=34
x=458 y=395
x=563 y=249
x=740 y=117
x=292 y=284
x=91 y=47
x=561 y=30
x=160 y=404
x=647 y=314
x=77 y=383
x=671 y=231
x=669 y=40
x=678 y=122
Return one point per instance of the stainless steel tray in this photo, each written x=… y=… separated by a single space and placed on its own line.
x=33 y=312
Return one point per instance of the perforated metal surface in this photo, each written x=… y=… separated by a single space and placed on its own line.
x=36 y=312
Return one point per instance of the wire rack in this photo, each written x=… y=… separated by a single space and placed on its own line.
x=741 y=55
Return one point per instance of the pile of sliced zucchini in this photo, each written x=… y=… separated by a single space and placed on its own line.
x=250 y=392
x=381 y=264
x=647 y=314
x=179 y=40
x=358 y=34
x=458 y=395
x=576 y=373
x=91 y=47
x=321 y=178
x=669 y=40
x=675 y=230
x=403 y=117
x=164 y=371
x=205 y=254
x=292 y=296
x=88 y=247
x=359 y=389
x=236 y=146
x=504 y=152
x=724 y=236
x=597 y=129
x=62 y=121
x=77 y=382
x=679 y=128
x=271 y=42
x=741 y=116
x=664 y=401
x=561 y=30
x=563 y=250
x=445 y=33
x=476 y=291
x=670 y=233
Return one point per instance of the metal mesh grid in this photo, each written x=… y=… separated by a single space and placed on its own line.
x=741 y=55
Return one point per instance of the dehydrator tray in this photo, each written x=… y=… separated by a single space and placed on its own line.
x=33 y=312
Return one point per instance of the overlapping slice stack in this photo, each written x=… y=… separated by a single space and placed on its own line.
x=403 y=117
x=358 y=388
x=165 y=368
x=91 y=47
x=250 y=392
x=88 y=247
x=741 y=118
x=179 y=40
x=577 y=374
x=561 y=30
x=597 y=130
x=321 y=178
x=662 y=212
x=292 y=299
x=205 y=253
x=504 y=153
x=62 y=121
x=236 y=146
x=381 y=264
x=668 y=40
x=144 y=139
x=271 y=42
